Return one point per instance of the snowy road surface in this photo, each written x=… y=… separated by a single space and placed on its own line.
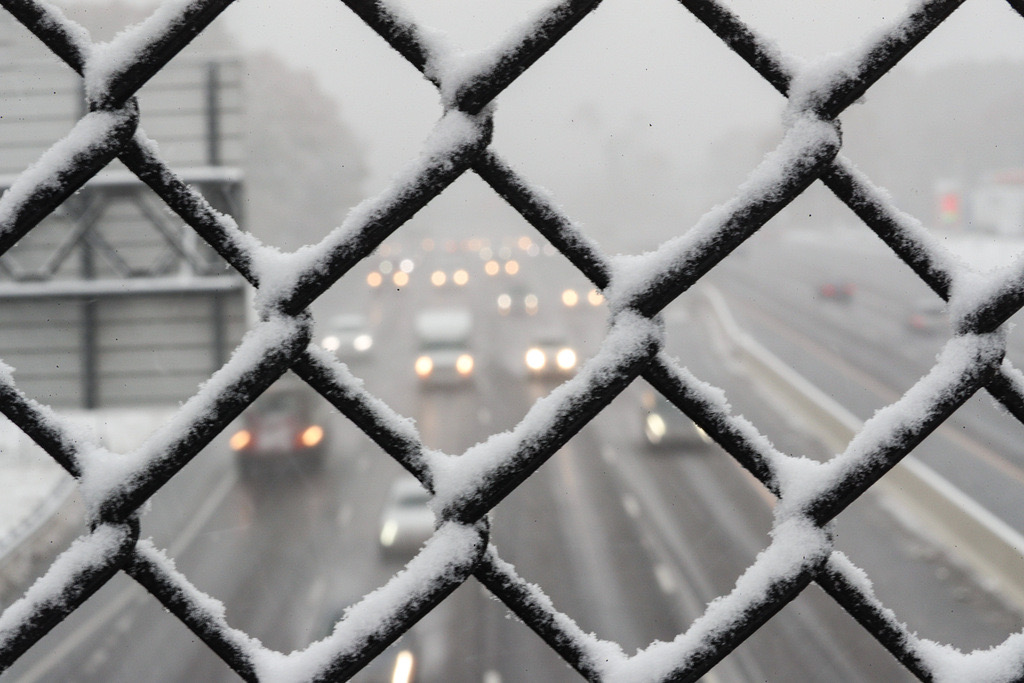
x=629 y=541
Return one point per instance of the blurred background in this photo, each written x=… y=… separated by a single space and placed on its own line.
x=637 y=123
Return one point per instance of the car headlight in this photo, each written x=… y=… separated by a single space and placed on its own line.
x=424 y=366
x=311 y=436
x=388 y=533
x=655 y=427
x=464 y=364
x=566 y=359
x=405 y=665
x=331 y=342
x=362 y=343
x=240 y=440
x=704 y=436
x=535 y=359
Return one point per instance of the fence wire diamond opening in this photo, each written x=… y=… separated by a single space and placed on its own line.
x=467 y=486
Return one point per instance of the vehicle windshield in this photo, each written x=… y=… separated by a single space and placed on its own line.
x=278 y=403
x=412 y=499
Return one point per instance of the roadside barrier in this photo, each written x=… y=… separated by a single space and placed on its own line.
x=976 y=537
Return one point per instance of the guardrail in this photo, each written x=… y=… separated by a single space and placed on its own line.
x=38 y=537
x=58 y=514
x=946 y=515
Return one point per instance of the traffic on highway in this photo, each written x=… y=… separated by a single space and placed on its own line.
x=631 y=529
x=474 y=467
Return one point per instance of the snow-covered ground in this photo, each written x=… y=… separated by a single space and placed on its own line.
x=985 y=252
x=33 y=484
x=981 y=252
x=28 y=484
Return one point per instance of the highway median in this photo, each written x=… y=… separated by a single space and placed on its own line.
x=925 y=501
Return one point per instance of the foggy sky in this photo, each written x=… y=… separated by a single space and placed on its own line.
x=635 y=96
x=655 y=72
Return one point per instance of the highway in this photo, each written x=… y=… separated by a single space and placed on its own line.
x=867 y=354
x=630 y=541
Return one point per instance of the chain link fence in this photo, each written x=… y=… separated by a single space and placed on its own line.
x=467 y=487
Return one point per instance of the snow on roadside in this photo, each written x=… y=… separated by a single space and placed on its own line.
x=981 y=252
x=29 y=477
x=984 y=253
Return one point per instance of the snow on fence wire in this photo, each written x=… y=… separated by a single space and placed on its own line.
x=466 y=487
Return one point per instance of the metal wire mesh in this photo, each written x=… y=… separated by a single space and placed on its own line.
x=800 y=552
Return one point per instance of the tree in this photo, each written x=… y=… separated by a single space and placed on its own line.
x=304 y=168
x=302 y=165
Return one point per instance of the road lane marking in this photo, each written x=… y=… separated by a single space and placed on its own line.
x=631 y=507
x=679 y=571
x=666 y=578
x=890 y=395
x=127 y=597
x=314 y=605
x=95 y=661
x=345 y=515
x=317 y=592
x=204 y=514
x=588 y=530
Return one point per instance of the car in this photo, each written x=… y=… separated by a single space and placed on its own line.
x=664 y=425
x=444 y=336
x=928 y=316
x=406 y=521
x=551 y=356
x=281 y=430
x=518 y=301
x=348 y=336
x=840 y=291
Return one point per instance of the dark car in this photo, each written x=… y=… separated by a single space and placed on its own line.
x=928 y=316
x=280 y=430
x=665 y=425
x=840 y=291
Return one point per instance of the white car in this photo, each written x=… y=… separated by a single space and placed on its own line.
x=664 y=425
x=551 y=357
x=406 y=523
x=348 y=336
